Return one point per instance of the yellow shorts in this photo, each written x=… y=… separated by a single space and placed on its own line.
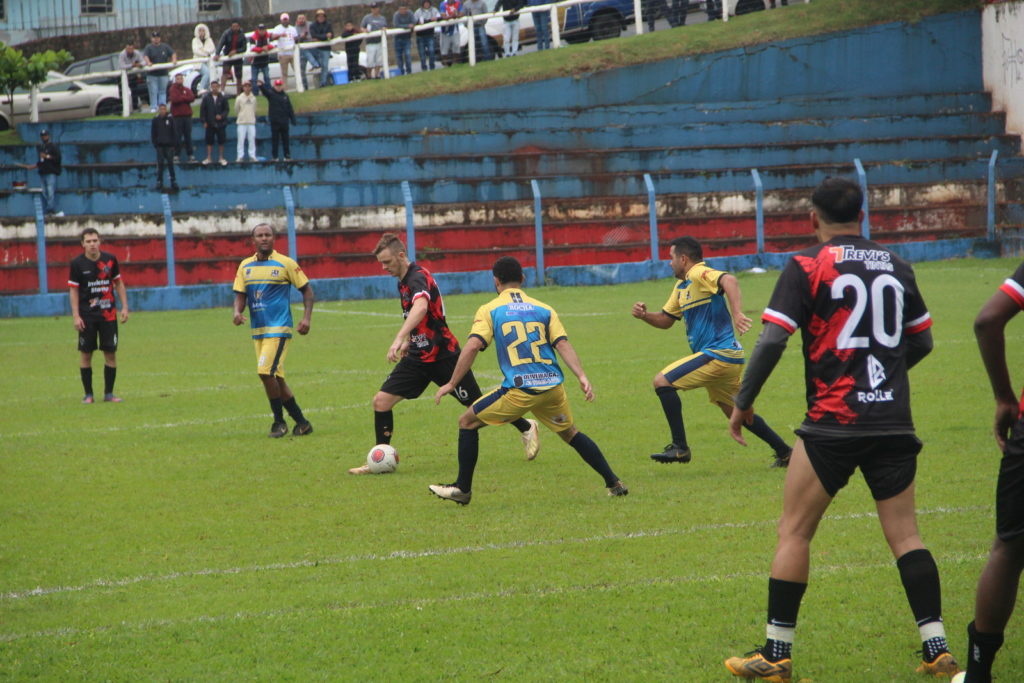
x=721 y=379
x=270 y=354
x=505 y=405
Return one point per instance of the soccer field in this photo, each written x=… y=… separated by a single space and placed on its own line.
x=167 y=538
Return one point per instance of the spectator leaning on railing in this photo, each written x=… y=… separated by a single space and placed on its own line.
x=542 y=25
x=261 y=45
x=203 y=48
x=306 y=57
x=130 y=58
x=232 y=42
x=372 y=23
x=157 y=80
x=472 y=8
x=426 y=14
x=286 y=36
x=320 y=30
x=355 y=71
x=404 y=19
x=510 y=30
x=450 y=9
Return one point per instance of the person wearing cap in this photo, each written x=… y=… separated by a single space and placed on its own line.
x=320 y=30
x=157 y=80
x=261 y=45
x=372 y=23
x=48 y=164
x=280 y=113
x=286 y=37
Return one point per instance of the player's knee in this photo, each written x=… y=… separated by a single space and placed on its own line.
x=468 y=420
x=569 y=434
x=383 y=402
x=660 y=381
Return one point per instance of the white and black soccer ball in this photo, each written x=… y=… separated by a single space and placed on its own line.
x=382 y=459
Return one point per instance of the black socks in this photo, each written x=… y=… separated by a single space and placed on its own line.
x=86 y=380
x=469 y=450
x=383 y=425
x=673 y=408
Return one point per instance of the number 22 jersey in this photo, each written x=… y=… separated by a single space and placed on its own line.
x=856 y=303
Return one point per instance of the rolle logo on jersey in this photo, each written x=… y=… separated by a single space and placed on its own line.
x=876 y=375
x=873 y=259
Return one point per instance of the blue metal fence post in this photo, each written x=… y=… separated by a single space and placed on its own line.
x=289 y=207
x=652 y=215
x=759 y=215
x=991 y=213
x=538 y=232
x=862 y=178
x=172 y=279
x=44 y=285
x=410 y=223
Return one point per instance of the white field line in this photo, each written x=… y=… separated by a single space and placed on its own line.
x=437 y=552
x=531 y=592
x=182 y=423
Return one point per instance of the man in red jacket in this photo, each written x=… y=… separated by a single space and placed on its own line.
x=181 y=97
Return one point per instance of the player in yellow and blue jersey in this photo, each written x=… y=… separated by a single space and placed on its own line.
x=709 y=301
x=525 y=333
x=264 y=281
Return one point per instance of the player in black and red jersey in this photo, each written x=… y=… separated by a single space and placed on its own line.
x=424 y=348
x=864 y=324
x=997 y=587
x=92 y=280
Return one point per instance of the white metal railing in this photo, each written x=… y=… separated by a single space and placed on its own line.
x=728 y=6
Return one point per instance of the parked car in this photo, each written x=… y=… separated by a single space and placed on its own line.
x=598 y=20
x=61 y=100
x=108 y=62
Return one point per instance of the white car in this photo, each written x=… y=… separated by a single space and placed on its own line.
x=193 y=76
x=61 y=100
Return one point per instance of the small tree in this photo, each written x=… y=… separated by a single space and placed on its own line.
x=17 y=71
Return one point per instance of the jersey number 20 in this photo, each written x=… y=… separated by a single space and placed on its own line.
x=846 y=339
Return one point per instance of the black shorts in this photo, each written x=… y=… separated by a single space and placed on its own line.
x=105 y=330
x=232 y=67
x=1010 y=489
x=888 y=463
x=410 y=377
x=216 y=135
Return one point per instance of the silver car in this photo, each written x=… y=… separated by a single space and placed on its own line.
x=60 y=101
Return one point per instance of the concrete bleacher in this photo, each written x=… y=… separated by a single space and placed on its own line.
x=906 y=100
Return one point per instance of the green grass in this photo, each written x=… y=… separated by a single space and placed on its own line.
x=820 y=16
x=172 y=540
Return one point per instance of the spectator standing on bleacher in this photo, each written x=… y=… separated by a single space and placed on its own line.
x=130 y=58
x=426 y=14
x=542 y=25
x=203 y=48
x=213 y=112
x=510 y=29
x=163 y=137
x=281 y=114
x=232 y=42
x=372 y=23
x=450 y=48
x=182 y=98
x=355 y=70
x=286 y=37
x=158 y=52
x=404 y=19
x=472 y=8
x=245 y=123
x=48 y=164
x=319 y=31
x=260 y=41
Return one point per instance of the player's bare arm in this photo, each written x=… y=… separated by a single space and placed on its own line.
x=307 y=309
x=466 y=357
x=661 y=320
x=568 y=354
x=122 y=296
x=763 y=360
x=78 y=322
x=239 y=307
x=731 y=287
x=401 y=343
x=989 y=329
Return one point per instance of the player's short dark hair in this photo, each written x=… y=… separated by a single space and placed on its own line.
x=838 y=200
x=88 y=231
x=262 y=225
x=507 y=269
x=391 y=242
x=688 y=247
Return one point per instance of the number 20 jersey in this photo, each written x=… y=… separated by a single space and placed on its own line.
x=524 y=332
x=855 y=302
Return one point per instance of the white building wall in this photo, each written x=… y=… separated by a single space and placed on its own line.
x=1002 y=31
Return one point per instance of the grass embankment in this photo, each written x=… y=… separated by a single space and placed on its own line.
x=820 y=16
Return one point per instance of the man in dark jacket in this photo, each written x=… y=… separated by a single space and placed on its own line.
x=213 y=112
x=165 y=142
x=280 y=113
x=181 y=112
x=321 y=30
x=232 y=42
x=48 y=164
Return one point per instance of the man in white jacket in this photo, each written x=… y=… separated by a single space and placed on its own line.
x=286 y=37
x=245 y=120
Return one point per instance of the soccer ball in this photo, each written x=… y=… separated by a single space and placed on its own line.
x=382 y=459
x=959 y=678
